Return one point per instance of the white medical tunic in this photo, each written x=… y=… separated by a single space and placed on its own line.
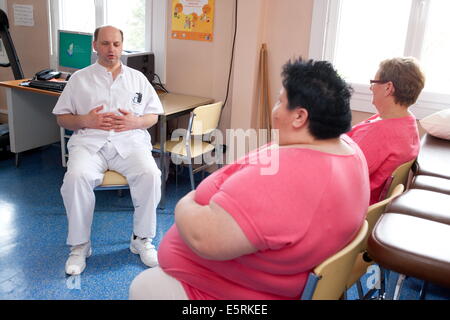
x=93 y=151
x=94 y=86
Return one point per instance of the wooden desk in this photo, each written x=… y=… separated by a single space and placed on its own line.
x=15 y=84
x=32 y=124
x=30 y=120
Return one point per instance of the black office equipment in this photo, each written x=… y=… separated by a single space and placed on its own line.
x=9 y=47
x=47 y=74
x=57 y=86
x=141 y=61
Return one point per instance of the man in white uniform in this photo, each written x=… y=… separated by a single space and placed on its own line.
x=109 y=106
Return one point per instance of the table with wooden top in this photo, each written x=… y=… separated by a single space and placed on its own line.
x=32 y=124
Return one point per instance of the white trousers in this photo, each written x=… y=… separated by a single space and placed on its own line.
x=155 y=284
x=85 y=171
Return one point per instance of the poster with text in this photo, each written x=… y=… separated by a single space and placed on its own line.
x=193 y=19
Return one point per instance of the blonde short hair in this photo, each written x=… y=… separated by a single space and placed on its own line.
x=406 y=76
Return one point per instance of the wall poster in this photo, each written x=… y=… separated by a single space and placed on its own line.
x=193 y=19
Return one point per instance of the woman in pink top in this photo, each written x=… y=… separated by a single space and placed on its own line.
x=252 y=232
x=390 y=137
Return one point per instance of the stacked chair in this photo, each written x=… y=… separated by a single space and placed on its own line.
x=363 y=260
x=331 y=279
x=412 y=238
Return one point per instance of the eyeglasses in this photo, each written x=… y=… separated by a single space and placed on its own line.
x=378 y=81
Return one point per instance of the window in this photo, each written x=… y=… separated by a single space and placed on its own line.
x=355 y=35
x=436 y=47
x=77 y=15
x=131 y=21
x=140 y=20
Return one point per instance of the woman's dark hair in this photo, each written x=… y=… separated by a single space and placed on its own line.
x=316 y=87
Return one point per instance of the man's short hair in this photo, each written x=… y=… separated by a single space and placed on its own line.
x=317 y=87
x=406 y=76
x=97 y=31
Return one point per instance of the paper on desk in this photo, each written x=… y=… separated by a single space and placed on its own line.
x=23 y=15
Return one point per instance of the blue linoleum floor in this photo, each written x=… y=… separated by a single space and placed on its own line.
x=33 y=229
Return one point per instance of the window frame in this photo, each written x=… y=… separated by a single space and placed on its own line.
x=155 y=30
x=325 y=20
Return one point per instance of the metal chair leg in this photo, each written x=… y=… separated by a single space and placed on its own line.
x=191 y=176
x=423 y=290
x=382 y=291
x=17 y=160
x=398 y=286
x=360 y=289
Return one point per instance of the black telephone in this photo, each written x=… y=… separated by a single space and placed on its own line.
x=47 y=74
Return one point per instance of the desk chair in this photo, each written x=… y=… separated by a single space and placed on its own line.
x=399 y=176
x=112 y=179
x=203 y=121
x=328 y=280
x=363 y=261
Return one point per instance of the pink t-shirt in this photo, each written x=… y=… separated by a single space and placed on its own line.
x=297 y=217
x=386 y=145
